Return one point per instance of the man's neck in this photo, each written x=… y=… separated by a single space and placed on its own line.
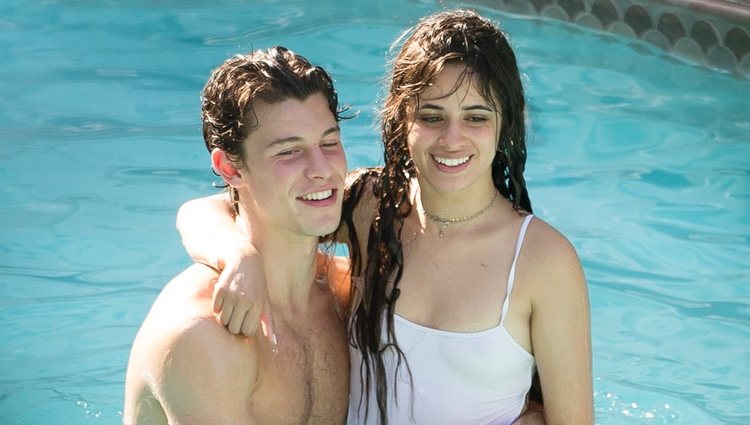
x=289 y=262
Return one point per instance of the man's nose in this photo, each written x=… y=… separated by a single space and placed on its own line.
x=318 y=165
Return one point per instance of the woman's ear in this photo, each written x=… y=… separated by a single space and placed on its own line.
x=226 y=168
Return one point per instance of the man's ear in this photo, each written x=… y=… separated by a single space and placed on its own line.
x=226 y=168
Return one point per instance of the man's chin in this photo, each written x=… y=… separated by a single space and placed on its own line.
x=323 y=229
x=330 y=229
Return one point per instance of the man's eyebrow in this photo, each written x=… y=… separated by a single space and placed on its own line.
x=295 y=139
x=465 y=108
x=284 y=140
x=334 y=129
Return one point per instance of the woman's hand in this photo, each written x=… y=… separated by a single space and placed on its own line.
x=240 y=297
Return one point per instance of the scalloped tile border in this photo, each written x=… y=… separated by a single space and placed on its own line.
x=713 y=33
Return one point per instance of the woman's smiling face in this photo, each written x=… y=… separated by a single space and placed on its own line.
x=454 y=134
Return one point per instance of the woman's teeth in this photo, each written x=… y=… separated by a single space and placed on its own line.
x=451 y=162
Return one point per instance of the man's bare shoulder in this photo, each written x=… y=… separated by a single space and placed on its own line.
x=183 y=314
x=186 y=297
x=183 y=353
x=203 y=358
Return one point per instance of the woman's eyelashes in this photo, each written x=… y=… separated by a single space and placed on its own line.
x=478 y=118
x=471 y=119
x=430 y=119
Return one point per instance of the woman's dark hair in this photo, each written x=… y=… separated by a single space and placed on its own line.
x=455 y=37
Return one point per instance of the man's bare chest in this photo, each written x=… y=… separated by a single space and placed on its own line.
x=305 y=379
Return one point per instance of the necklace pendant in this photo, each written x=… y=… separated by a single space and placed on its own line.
x=444 y=223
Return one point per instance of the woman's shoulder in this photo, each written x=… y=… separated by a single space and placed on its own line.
x=362 y=176
x=361 y=187
x=546 y=239
x=360 y=204
x=336 y=272
x=549 y=256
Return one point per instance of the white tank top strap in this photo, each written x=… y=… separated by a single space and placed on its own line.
x=512 y=273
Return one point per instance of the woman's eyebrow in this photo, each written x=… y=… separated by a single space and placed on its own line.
x=478 y=107
x=465 y=108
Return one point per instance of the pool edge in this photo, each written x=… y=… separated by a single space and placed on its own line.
x=711 y=33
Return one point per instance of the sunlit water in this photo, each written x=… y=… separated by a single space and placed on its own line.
x=641 y=160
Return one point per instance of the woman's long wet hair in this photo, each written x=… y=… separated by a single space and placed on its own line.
x=455 y=37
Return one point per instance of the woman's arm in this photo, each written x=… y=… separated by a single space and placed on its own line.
x=560 y=329
x=205 y=226
x=208 y=231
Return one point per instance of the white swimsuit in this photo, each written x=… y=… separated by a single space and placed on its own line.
x=458 y=378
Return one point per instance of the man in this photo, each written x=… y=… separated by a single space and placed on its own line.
x=270 y=121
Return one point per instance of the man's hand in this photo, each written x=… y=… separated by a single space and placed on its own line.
x=240 y=296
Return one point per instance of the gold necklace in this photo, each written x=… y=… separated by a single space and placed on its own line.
x=444 y=223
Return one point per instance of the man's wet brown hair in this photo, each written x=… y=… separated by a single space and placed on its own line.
x=271 y=76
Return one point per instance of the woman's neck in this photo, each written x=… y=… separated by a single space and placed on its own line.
x=454 y=204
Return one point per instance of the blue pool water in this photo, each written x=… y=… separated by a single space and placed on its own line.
x=641 y=160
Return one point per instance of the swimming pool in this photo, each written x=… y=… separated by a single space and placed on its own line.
x=641 y=160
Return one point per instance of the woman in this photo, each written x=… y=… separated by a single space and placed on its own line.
x=459 y=293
